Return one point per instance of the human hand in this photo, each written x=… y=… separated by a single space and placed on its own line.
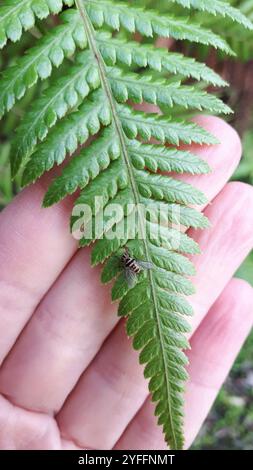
x=69 y=377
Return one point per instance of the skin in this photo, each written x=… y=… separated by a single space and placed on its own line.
x=69 y=378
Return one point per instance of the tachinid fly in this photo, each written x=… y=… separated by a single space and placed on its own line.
x=132 y=267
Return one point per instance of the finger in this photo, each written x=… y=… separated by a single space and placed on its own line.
x=42 y=352
x=115 y=369
x=223 y=247
x=214 y=347
x=25 y=430
x=64 y=335
x=107 y=396
x=35 y=246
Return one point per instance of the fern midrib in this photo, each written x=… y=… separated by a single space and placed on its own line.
x=90 y=36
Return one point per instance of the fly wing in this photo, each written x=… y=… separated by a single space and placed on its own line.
x=130 y=277
x=144 y=264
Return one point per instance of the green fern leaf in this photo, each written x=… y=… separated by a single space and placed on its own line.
x=161 y=188
x=89 y=163
x=148 y=23
x=62 y=42
x=106 y=186
x=17 y=15
x=171 y=261
x=156 y=158
x=38 y=62
x=159 y=355
x=176 y=214
x=162 y=129
x=115 y=51
x=145 y=88
x=217 y=7
x=63 y=95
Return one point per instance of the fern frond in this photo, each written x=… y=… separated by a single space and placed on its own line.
x=156 y=157
x=169 y=238
x=39 y=60
x=145 y=88
x=176 y=214
x=217 y=7
x=171 y=261
x=161 y=128
x=115 y=51
x=93 y=97
x=169 y=189
x=160 y=257
x=106 y=186
x=75 y=130
x=148 y=23
x=162 y=357
x=62 y=42
x=16 y=16
x=102 y=250
x=85 y=167
x=141 y=156
x=63 y=95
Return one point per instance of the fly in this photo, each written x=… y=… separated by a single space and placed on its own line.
x=132 y=267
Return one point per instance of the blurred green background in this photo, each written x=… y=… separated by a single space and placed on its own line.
x=230 y=422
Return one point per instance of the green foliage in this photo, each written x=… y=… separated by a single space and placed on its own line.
x=90 y=93
x=5 y=181
x=38 y=62
x=63 y=95
x=130 y=53
x=217 y=7
x=148 y=24
x=164 y=129
x=145 y=88
x=240 y=39
x=17 y=15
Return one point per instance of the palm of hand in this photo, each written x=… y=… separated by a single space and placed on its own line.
x=69 y=378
